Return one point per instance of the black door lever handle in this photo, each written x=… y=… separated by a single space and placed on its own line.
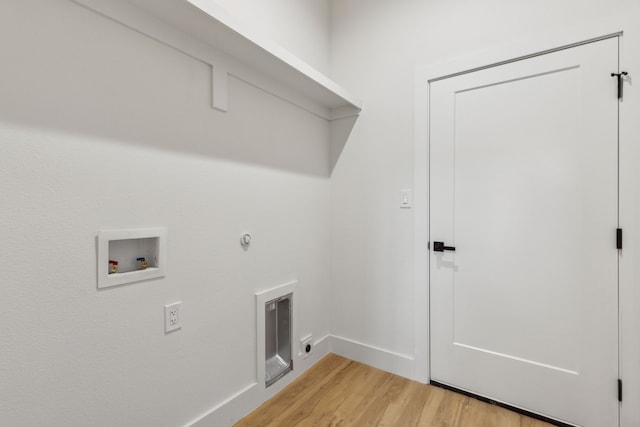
x=440 y=247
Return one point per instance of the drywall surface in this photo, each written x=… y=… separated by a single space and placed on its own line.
x=376 y=47
x=301 y=27
x=104 y=128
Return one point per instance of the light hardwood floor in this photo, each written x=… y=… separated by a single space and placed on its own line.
x=340 y=392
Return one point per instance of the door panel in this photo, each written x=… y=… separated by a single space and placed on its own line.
x=523 y=169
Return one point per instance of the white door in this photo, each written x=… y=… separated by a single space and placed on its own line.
x=524 y=186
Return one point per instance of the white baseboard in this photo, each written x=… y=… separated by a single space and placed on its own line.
x=321 y=348
x=240 y=404
x=379 y=358
x=232 y=409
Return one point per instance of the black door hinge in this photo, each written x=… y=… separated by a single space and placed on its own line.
x=620 y=77
x=619 y=390
x=619 y=238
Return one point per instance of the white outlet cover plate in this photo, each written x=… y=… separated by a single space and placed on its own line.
x=173 y=316
x=303 y=344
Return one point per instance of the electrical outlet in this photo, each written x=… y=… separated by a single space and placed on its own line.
x=306 y=346
x=173 y=316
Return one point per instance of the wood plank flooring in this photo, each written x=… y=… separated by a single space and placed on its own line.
x=340 y=392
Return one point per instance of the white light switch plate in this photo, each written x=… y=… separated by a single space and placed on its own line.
x=173 y=316
x=405 y=199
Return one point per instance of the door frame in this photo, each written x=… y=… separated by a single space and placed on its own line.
x=621 y=25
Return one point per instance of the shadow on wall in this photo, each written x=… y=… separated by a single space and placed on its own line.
x=340 y=130
x=67 y=68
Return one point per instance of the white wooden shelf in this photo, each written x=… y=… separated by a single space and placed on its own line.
x=203 y=30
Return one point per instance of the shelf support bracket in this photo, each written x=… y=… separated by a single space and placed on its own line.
x=220 y=88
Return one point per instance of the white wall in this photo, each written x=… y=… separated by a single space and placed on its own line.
x=300 y=26
x=103 y=128
x=376 y=47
